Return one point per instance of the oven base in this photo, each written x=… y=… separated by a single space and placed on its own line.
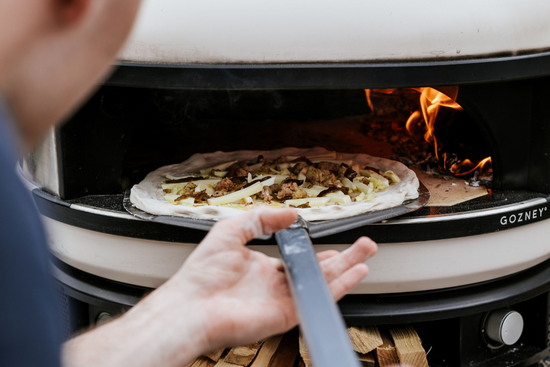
x=449 y=321
x=397 y=268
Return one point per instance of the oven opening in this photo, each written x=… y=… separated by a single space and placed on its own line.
x=423 y=128
x=474 y=147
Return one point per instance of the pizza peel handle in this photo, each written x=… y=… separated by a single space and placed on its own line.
x=321 y=323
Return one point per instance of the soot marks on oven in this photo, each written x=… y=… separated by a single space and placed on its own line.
x=523 y=216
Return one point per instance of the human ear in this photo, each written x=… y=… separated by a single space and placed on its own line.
x=69 y=12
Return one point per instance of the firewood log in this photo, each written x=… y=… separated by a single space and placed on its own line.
x=267 y=351
x=287 y=351
x=364 y=338
x=203 y=361
x=215 y=355
x=242 y=356
x=303 y=352
x=367 y=360
x=409 y=346
x=386 y=355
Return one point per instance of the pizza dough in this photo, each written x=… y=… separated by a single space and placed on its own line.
x=148 y=195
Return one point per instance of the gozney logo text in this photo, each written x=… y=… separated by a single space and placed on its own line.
x=521 y=217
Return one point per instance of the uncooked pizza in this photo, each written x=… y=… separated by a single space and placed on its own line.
x=321 y=184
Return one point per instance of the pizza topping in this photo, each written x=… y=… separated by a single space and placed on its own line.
x=313 y=175
x=329 y=166
x=185 y=201
x=339 y=198
x=237 y=195
x=177 y=186
x=182 y=180
x=221 y=167
x=203 y=187
x=304 y=160
x=350 y=173
x=225 y=185
x=392 y=176
x=259 y=159
x=309 y=201
x=362 y=187
x=239 y=169
x=374 y=169
x=347 y=183
x=299 y=194
x=292 y=181
x=287 y=190
x=218 y=173
x=379 y=182
x=200 y=197
x=267 y=181
x=298 y=168
x=266 y=194
x=328 y=191
x=328 y=178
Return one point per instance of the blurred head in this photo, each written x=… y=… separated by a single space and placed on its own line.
x=54 y=52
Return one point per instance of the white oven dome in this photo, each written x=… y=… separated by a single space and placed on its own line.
x=286 y=31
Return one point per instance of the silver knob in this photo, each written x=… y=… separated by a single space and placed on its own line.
x=103 y=317
x=504 y=326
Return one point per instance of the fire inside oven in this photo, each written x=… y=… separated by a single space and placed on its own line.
x=423 y=128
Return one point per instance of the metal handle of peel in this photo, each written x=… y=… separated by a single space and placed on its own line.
x=321 y=322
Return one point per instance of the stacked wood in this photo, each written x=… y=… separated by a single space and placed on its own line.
x=375 y=348
x=242 y=356
x=203 y=361
x=386 y=354
x=215 y=355
x=364 y=338
x=303 y=352
x=222 y=363
x=409 y=346
x=287 y=351
x=268 y=349
x=367 y=360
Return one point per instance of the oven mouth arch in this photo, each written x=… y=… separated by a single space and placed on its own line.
x=331 y=75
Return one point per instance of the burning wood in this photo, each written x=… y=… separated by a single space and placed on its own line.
x=412 y=121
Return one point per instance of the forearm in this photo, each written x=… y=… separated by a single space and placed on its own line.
x=150 y=334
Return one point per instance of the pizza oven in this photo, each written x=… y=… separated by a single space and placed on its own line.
x=458 y=92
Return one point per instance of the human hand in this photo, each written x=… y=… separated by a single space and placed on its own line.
x=227 y=295
x=244 y=295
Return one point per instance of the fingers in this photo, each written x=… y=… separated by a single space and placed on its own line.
x=340 y=286
x=363 y=249
x=322 y=256
x=276 y=263
x=238 y=231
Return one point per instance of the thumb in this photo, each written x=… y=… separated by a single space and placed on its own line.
x=239 y=230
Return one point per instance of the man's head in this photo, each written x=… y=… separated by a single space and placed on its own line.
x=53 y=53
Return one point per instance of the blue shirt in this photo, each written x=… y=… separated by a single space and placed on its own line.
x=30 y=325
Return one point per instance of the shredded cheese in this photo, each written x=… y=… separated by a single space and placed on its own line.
x=311 y=201
x=237 y=195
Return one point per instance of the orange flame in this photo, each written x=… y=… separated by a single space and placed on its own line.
x=458 y=169
x=368 y=93
x=431 y=101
